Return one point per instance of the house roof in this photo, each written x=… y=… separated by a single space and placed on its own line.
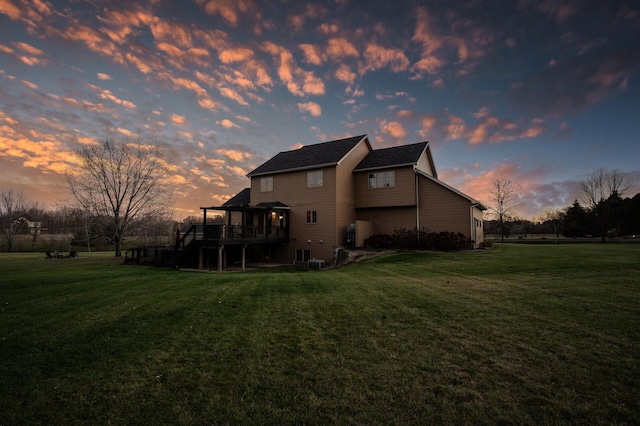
x=242 y=198
x=404 y=155
x=309 y=156
x=276 y=205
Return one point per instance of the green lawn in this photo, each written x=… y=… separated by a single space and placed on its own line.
x=518 y=334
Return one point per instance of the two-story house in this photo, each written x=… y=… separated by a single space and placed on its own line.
x=305 y=203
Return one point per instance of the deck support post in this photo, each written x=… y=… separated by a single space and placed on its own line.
x=244 y=250
x=220 y=257
x=201 y=260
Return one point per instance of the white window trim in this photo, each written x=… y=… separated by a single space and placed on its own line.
x=313 y=215
x=381 y=179
x=266 y=184
x=315 y=179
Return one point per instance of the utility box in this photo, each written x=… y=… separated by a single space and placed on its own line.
x=315 y=263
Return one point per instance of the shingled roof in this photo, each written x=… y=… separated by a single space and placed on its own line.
x=241 y=199
x=309 y=156
x=392 y=157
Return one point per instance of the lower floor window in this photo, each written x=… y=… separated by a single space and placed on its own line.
x=303 y=255
x=312 y=216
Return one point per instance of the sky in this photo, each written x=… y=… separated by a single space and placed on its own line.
x=540 y=92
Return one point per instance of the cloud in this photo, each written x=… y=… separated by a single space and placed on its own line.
x=6 y=49
x=229 y=10
x=107 y=95
x=228 y=124
x=170 y=32
x=27 y=48
x=204 y=99
x=232 y=94
x=340 y=48
x=234 y=154
x=311 y=11
x=559 y=11
x=429 y=43
x=312 y=54
x=239 y=54
x=126 y=132
x=103 y=76
x=328 y=29
x=486 y=128
x=377 y=57
x=9 y=9
x=93 y=40
x=573 y=85
x=311 y=107
x=26 y=54
x=345 y=74
x=393 y=129
x=297 y=80
x=395 y=95
x=178 y=119
x=29 y=84
x=232 y=10
x=35 y=149
x=458 y=37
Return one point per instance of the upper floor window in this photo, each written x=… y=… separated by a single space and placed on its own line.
x=382 y=179
x=315 y=179
x=266 y=184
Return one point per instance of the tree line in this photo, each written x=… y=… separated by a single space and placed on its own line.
x=29 y=226
x=121 y=189
x=599 y=210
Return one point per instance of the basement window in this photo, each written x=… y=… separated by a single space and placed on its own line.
x=302 y=255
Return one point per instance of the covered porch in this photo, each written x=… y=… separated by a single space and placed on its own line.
x=245 y=226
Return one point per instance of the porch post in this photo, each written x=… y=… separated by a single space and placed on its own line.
x=243 y=223
x=204 y=218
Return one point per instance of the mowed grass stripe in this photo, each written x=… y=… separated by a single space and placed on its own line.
x=517 y=334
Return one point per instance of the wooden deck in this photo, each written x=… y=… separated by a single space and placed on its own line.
x=217 y=234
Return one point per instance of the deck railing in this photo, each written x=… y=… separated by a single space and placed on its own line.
x=218 y=233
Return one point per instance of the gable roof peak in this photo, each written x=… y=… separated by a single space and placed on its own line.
x=322 y=154
x=394 y=156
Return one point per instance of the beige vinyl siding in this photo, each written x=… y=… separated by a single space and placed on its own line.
x=388 y=219
x=333 y=202
x=345 y=190
x=442 y=209
x=291 y=189
x=423 y=164
x=402 y=194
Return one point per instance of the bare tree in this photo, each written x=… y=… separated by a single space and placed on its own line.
x=12 y=205
x=37 y=212
x=122 y=182
x=602 y=184
x=553 y=218
x=505 y=199
x=597 y=193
